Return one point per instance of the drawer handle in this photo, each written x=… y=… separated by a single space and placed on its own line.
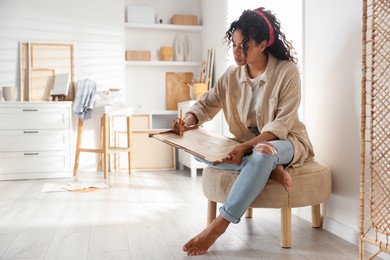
x=31 y=153
x=29 y=110
x=30 y=132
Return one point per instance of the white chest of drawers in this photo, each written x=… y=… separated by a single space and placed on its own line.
x=35 y=140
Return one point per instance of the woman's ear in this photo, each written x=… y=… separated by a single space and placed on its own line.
x=262 y=45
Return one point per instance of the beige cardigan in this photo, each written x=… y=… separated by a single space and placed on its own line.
x=278 y=110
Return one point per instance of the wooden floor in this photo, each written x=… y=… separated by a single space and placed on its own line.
x=147 y=215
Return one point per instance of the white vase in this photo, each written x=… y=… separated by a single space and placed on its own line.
x=187 y=48
x=10 y=93
x=179 y=48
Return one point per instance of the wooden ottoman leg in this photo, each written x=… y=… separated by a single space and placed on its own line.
x=285 y=227
x=249 y=213
x=211 y=211
x=316 y=216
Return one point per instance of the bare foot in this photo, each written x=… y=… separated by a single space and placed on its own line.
x=282 y=176
x=199 y=244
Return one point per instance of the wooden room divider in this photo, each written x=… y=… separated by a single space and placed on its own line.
x=375 y=129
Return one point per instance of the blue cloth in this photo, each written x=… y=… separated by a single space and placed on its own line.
x=84 y=99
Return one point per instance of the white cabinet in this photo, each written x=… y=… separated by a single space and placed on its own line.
x=186 y=159
x=35 y=140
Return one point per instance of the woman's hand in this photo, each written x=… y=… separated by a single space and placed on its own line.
x=236 y=154
x=178 y=125
x=240 y=150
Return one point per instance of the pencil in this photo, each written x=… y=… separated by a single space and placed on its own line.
x=181 y=118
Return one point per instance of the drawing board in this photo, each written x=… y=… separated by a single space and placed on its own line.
x=200 y=142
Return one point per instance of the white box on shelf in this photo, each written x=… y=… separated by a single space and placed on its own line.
x=140 y=14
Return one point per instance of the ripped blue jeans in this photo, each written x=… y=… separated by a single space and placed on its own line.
x=255 y=170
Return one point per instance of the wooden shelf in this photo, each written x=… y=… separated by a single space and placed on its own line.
x=165 y=63
x=173 y=27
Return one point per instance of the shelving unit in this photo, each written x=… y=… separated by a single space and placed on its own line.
x=148 y=153
x=146 y=81
x=172 y=27
x=165 y=27
x=162 y=119
x=165 y=63
x=146 y=77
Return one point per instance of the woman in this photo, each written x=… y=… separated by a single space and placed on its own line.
x=260 y=99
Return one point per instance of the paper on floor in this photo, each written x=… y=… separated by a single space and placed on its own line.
x=55 y=187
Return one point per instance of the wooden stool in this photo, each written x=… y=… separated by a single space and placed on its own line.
x=105 y=113
x=311 y=186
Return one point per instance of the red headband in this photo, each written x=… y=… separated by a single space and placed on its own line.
x=260 y=12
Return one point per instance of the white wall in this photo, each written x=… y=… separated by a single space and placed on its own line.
x=332 y=75
x=214 y=15
x=97 y=34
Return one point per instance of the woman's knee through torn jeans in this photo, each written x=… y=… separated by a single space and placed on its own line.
x=255 y=170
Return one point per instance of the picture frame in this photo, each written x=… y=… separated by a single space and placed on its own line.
x=61 y=84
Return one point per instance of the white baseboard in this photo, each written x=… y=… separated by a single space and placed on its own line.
x=339 y=229
x=334 y=227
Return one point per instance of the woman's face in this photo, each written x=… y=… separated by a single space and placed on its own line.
x=253 y=49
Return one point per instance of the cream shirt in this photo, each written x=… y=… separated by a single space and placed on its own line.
x=257 y=87
x=277 y=111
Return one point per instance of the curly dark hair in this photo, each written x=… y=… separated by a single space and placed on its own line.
x=253 y=26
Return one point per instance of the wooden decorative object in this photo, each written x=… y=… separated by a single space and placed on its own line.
x=375 y=128
x=40 y=62
x=177 y=89
x=40 y=84
x=134 y=55
x=182 y=19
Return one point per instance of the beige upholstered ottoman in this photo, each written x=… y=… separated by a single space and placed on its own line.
x=311 y=186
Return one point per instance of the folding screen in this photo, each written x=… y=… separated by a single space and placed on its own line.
x=375 y=128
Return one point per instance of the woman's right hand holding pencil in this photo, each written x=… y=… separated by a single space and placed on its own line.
x=181 y=124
